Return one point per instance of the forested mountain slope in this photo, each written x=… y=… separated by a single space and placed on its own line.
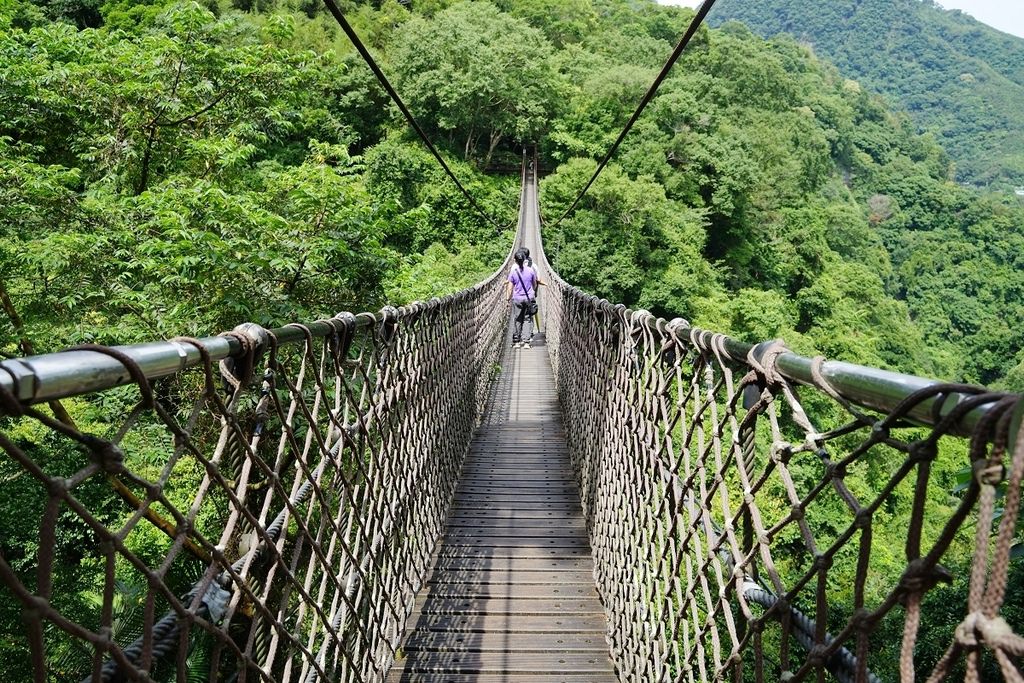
x=174 y=168
x=765 y=195
x=959 y=79
x=244 y=146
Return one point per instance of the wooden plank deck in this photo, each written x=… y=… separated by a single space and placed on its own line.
x=511 y=595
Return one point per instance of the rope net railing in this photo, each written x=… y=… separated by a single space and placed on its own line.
x=280 y=499
x=715 y=480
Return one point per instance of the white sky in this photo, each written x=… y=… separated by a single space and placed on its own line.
x=1005 y=15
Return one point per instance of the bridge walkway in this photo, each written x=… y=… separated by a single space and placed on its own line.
x=511 y=596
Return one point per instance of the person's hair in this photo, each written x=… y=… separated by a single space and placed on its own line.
x=519 y=257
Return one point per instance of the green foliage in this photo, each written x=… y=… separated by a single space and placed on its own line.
x=186 y=152
x=173 y=170
x=562 y=21
x=807 y=187
x=628 y=242
x=177 y=168
x=430 y=274
x=476 y=76
x=958 y=78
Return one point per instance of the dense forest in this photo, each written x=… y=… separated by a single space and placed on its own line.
x=957 y=78
x=171 y=168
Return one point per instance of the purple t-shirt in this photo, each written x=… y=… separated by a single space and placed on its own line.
x=524 y=282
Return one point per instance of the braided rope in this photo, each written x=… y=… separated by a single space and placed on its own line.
x=316 y=477
x=722 y=516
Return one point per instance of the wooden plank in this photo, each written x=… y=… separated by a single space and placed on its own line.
x=471 y=552
x=516 y=546
x=509 y=440
x=473 y=605
x=481 y=470
x=556 y=463
x=513 y=623
x=494 y=662
x=508 y=591
x=534 y=462
x=487 y=506
x=517 y=477
x=538 y=488
x=528 y=515
x=521 y=449
x=547 y=461
x=522 y=576
x=509 y=564
x=557 y=497
x=522 y=532
x=531 y=477
x=510 y=597
x=400 y=676
x=505 y=642
x=533 y=528
x=525 y=524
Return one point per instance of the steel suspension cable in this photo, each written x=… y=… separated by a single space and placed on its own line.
x=339 y=16
x=698 y=19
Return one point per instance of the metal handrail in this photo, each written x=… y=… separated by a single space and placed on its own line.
x=865 y=386
x=45 y=377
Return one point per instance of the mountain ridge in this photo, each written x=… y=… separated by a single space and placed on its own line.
x=958 y=78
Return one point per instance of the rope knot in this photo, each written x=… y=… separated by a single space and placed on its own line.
x=988 y=473
x=977 y=629
x=763 y=358
x=862 y=520
x=781 y=452
x=677 y=325
x=862 y=619
x=388 y=319
x=344 y=325
x=835 y=470
x=919 y=578
x=879 y=431
x=35 y=608
x=238 y=371
x=56 y=487
x=108 y=456
x=923 y=451
x=816 y=657
x=639 y=317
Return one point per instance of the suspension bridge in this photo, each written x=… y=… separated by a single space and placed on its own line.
x=402 y=496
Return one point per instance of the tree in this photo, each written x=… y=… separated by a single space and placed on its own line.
x=627 y=241
x=477 y=76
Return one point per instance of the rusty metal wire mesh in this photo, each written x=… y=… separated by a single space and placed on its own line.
x=727 y=506
x=301 y=488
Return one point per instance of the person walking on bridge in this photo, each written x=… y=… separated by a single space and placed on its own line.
x=540 y=283
x=521 y=291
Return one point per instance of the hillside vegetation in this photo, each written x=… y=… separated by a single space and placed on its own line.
x=764 y=195
x=959 y=79
x=175 y=168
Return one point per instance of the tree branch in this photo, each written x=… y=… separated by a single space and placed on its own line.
x=196 y=114
x=128 y=496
